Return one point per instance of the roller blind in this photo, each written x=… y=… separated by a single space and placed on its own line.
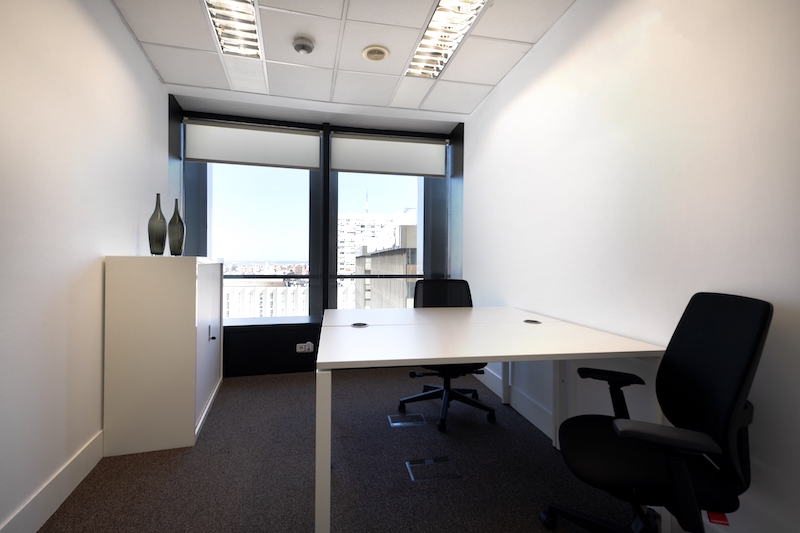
x=252 y=145
x=388 y=156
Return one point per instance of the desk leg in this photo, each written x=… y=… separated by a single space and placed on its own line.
x=506 y=379
x=322 y=481
x=560 y=398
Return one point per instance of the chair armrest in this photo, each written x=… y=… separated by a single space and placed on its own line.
x=615 y=380
x=618 y=379
x=684 y=439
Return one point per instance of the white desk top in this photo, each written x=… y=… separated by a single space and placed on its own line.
x=445 y=335
x=427 y=315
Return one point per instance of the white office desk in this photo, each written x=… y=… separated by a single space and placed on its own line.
x=445 y=335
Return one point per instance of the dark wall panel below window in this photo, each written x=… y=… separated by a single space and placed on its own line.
x=268 y=349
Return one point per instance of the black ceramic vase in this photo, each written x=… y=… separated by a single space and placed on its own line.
x=157 y=229
x=177 y=232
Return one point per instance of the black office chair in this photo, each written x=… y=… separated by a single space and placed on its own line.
x=702 y=386
x=446 y=293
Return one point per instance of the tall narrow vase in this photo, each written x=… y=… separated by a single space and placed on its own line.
x=177 y=232
x=157 y=229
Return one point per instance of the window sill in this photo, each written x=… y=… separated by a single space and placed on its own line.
x=270 y=321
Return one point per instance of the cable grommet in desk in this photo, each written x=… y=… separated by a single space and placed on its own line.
x=530 y=321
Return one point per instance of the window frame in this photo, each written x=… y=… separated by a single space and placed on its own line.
x=442 y=214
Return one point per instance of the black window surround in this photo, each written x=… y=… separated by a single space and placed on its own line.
x=443 y=218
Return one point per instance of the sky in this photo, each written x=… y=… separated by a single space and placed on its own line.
x=261 y=213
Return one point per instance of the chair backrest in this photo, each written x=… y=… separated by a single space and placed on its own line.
x=442 y=293
x=707 y=370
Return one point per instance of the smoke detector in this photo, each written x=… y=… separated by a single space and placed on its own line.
x=375 y=53
x=303 y=45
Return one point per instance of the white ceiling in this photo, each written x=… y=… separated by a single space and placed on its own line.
x=335 y=83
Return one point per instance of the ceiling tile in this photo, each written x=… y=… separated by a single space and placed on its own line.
x=481 y=60
x=279 y=29
x=324 y=8
x=412 y=92
x=366 y=89
x=452 y=97
x=412 y=13
x=181 y=45
x=520 y=20
x=246 y=75
x=187 y=67
x=299 y=82
x=401 y=43
x=177 y=22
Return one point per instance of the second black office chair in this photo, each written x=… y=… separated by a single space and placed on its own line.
x=702 y=384
x=446 y=293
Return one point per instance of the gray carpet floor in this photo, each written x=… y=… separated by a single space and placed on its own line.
x=252 y=468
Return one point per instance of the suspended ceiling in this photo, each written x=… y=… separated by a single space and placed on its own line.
x=335 y=83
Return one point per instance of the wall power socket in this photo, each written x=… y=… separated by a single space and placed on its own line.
x=305 y=347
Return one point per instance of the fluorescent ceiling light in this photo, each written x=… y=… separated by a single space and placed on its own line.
x=450 y=22
x=236 y=26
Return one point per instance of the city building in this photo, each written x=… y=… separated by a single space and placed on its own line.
x=400 y=259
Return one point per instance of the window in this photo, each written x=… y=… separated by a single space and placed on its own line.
x=259 y=229
x=306 y=219
x=378 y=217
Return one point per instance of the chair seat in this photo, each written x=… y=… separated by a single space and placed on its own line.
x=454 y=371
x=637 y=471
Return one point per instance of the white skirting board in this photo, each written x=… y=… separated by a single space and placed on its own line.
x=534 y=412
x=206 y=410
x=493 y=381
x=42 y=504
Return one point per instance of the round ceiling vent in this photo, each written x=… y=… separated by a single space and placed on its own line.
x=375 y=53
x=303 y=45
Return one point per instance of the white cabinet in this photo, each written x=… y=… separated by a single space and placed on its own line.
x=163 y=351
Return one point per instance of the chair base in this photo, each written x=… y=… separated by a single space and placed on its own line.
x=645 y=522
x=448 y=394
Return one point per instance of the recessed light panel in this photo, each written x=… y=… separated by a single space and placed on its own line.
x=450 y=22
x=235 y=24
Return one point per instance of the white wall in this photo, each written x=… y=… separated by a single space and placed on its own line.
x=83 y=151
x=644 y=151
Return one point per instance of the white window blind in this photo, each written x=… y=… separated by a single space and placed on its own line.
x=252 y=145
x=388 y=156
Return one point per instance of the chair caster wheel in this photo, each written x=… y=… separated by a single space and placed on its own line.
x=401 y=408
x=491 y=418
x=549 y=520
x=441 y=425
